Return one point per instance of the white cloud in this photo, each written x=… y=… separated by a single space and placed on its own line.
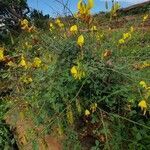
x=135 y=1
x=130 y=1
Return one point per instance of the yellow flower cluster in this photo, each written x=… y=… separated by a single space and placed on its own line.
x=11 y=64
x=84 y=10
x=60 y=129
x=2 y=58
x=59 y=23
x=126 y=36
x=27 y=45
x=87 y=112
x=80 y=40
x=51 y=27
x=144 y=85
x=93 y=28
x=26 y=80
x=93 y=108
x=114 y=9
x=99 y=37
x=143 y=104
x=23 y=62
x=145 y=64
x=74 y=29
x=78 y=106
x=36 y=63
x=25 y=26
x=77 y=72
x=70 y=115
x=145 y=17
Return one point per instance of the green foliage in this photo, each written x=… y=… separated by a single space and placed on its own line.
x=72 y=137
x=97 y=146
x=7 y=140
x=57 y=101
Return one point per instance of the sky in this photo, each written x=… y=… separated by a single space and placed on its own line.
x=54 y=8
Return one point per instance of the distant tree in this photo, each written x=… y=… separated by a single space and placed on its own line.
x=11 y=12
x=35 y=14
x=14 y=8
x=40 y=20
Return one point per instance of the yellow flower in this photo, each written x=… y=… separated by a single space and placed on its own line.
x=26 y=80
x=131 y=29
x=90 y=4
x=78 y=105
x=70 y=117
x=2 y=54
x=84 y=9
x=143 y=106
x=23 y=62
x=143 y=84
x=37 y=62
x=145 y=64
x=51 y=26
x=30 y=80
x=121 y=41
x=59 y=23
x=114 y=9
x=126 y=36
x=87 y=112
x=11 y=64
x=80 y=40
x=74 y=70
x=93 y=107
x=100 y=36
x=24 y=24
x=147 y=94
x=81 y=74
x=60 y=129
x=80 y=6
x=93 y=28
x=77 y=73
x=27 y=45
x=145 y=17
x=74 y=29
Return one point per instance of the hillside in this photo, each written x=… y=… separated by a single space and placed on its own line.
x=77 y=83
x=137 y=8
